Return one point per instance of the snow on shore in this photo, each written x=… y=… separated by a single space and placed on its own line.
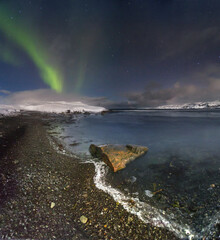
x=197 y=105
x=7 y=110
x=50 y=107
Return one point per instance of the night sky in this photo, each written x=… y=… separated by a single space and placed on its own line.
x=127 y=53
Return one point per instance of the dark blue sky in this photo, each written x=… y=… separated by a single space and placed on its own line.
x=142 y=52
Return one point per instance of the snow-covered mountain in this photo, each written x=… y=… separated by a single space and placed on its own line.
x=49 y=106
x=196 y=105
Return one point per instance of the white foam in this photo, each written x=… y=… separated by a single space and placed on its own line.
x=213 y=221
x=144 y=211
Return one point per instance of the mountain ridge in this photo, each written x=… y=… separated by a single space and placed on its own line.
x=196 y=105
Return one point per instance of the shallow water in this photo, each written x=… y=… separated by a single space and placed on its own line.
x=179 y=175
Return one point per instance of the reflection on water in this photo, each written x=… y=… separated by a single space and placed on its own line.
x=179 y=174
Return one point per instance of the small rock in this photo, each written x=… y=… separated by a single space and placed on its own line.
x=4 y=179
x=130 y=219
x=148 y=193
x=83 y=219
x=131 y=180
x=85 y=195
x=74 y=144
x=131 y=202
x=52 y=205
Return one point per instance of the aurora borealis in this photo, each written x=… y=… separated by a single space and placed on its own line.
x=128 y=53
x=29 y=43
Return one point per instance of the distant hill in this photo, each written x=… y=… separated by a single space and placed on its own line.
x=196 y=105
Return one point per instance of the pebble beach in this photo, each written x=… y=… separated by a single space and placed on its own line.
x=45 y=194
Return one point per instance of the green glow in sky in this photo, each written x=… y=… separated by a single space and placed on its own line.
x=26 y=40
x=7 y=56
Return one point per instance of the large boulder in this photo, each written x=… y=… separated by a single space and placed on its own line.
x=117 y=156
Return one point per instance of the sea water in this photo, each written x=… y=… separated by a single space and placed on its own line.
x=176 y=185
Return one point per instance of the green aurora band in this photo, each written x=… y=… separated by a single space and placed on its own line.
x=28 y=42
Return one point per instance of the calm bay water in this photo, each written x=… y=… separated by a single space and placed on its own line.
x=180 y=174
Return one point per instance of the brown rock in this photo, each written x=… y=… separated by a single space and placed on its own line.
x=117 y=156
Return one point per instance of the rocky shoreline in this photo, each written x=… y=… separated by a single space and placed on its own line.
x=48 y=195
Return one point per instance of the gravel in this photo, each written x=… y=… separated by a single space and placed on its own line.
x=44 y=193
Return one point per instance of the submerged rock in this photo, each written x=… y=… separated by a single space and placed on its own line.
x=117 y=156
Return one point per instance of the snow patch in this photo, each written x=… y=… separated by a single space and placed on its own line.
x=196 y=105
x=8 y=110
x=50 y=107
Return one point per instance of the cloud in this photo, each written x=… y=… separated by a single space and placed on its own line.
x=199 y=86
x=4 y=91
x=203 y=86
x=45 y=95
x=40 y=96
x=154 y=96
x=194 y=41
x=44 y=100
